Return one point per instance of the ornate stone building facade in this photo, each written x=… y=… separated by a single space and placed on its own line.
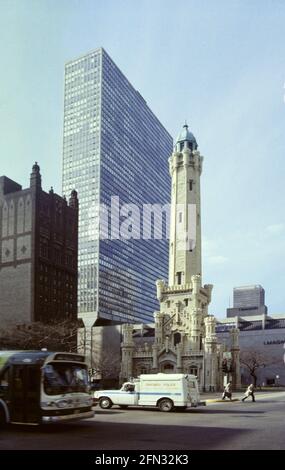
x=183 y=337
x=38 y=253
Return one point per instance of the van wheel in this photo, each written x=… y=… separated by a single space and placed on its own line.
x=124 y=407
x=166 y=405
x=105 y=403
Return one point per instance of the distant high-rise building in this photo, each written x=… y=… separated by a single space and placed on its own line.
x=38 y=243
x=248 y=300
x=115 y=152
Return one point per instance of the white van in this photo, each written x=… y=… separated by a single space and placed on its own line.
x=165 y=391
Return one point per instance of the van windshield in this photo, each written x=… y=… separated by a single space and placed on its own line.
x=64 y=378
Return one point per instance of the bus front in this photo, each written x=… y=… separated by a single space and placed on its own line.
x=65 y=389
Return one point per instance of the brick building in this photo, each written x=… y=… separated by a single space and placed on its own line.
x=38 y=253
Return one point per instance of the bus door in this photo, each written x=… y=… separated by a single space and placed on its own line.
x=25 y=393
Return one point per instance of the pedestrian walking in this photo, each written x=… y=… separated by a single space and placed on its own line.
x=249 y=393
x=227 y=391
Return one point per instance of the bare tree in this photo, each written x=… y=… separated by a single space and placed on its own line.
x=254 y=360
x=107 y=366
x=60 y=336
x=102 y=354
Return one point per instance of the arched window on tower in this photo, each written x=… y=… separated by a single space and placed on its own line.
x=179 y=278
x=177 y=338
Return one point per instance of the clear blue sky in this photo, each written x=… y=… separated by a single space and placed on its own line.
x=220 y=64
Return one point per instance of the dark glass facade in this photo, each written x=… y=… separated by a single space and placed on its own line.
x=114 y=146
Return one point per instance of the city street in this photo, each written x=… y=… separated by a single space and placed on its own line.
x=232 y=426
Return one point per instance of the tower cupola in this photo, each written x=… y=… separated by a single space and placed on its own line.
x=36 y=179
x=185 y=140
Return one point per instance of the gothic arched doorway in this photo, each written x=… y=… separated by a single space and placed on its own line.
x=193 y=370
x=167 y=368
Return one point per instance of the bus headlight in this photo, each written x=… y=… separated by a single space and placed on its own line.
x=62 y=403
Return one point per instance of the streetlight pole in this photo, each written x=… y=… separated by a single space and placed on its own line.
x=204 y=370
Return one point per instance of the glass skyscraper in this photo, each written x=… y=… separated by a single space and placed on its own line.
x=114 y=149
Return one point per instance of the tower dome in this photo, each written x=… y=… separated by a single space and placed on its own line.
x=36 y=168
x=186 y=136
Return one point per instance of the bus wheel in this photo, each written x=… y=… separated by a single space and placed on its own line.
x=105 y=403
x=166 y=405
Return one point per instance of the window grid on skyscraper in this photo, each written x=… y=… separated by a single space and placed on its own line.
x=112 y=144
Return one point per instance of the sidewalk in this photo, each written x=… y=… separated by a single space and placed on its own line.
x=216 y=397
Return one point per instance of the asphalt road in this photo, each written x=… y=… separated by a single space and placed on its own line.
x=232 y=426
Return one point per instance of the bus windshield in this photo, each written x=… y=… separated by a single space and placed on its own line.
x=65 y=378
